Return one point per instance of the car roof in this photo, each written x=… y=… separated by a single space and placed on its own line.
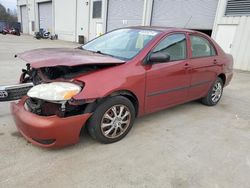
x=163 y=29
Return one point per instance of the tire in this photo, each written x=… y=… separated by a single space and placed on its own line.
x=214 y=94
x=103 y=129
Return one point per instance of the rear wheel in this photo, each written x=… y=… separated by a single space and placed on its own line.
x=112 y=120
x=214 y=94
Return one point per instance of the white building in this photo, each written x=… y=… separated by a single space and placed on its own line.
x=71 y=18
x=232 y=30
x=67 y=18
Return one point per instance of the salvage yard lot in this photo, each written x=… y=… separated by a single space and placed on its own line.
x=190 y=145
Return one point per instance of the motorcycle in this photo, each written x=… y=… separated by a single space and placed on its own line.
x=12 y=31
x=42 y=34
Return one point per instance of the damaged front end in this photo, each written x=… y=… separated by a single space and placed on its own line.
x=55 y=98
x=50 y=112
x=48 y=66
x=45 y=108
x=53 y=75
x=32 y=77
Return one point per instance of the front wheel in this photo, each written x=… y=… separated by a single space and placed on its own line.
x=214 y=94
x=112 y=120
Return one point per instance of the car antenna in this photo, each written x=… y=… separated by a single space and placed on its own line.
x=188 y=21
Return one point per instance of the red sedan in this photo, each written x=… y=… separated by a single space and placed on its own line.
x=108 y=82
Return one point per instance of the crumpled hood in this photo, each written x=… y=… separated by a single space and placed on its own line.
x=51 y=57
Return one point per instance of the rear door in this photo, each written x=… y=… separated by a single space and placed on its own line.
x=167 y=83
x=204 y=66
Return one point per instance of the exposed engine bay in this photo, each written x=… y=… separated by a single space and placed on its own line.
x=31 y=77
x=48 y=81
x=46 y=108
x=48 y=74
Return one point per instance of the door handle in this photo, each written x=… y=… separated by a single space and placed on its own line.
x=187 y=66
x=215 y=61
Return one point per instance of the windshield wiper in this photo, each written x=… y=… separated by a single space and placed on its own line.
x=100 y=52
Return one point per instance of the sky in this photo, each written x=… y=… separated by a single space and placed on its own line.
x=11 y=4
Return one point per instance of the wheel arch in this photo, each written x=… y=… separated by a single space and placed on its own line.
x=125 y=93
x=223 y=77
x=129 y=95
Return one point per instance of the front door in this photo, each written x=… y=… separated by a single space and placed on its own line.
x=96 y=21
x=167 y=83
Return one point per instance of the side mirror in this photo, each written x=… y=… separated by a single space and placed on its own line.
x=159 y=57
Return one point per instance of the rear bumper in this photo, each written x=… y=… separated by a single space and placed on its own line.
x=49 y=132
x=229 y=77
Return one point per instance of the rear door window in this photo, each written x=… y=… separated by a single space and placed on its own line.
x=201 y=47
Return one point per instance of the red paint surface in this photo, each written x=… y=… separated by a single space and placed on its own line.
x=141 y=80
x=64 y=130
x=51 y=57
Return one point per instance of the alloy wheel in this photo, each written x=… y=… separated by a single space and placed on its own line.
x=216 y=92
x=115 y=121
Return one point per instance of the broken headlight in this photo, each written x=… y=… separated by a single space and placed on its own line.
x=55 y=91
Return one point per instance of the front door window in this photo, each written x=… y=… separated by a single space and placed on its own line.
x=174 y=45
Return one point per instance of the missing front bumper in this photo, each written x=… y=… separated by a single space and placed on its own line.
x=14 y=92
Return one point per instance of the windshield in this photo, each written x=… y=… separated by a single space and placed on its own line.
x=122 y=43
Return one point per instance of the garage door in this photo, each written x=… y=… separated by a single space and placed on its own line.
x=24 y=19
x=193 y=14
x=124 y=13
x=45 y=16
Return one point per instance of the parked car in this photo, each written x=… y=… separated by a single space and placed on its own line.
x=11 y=31
x=108 y=82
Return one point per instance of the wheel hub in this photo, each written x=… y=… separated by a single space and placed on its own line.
x=217 y=91
x=115 y=121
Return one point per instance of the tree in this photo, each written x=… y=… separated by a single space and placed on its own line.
x=6 y=15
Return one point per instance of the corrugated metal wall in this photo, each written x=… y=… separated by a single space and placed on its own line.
x=122 y=13
x=193 y=14
x=65 y=19
x=45 y=16
x=241 y=42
